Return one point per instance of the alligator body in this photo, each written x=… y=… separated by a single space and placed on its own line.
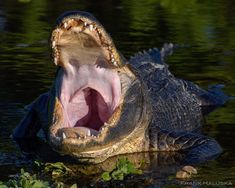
x=102 y=105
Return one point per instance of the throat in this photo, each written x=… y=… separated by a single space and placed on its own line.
x=94 y=109
x=89 y=96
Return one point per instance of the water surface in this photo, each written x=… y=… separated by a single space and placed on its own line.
x=205 y=30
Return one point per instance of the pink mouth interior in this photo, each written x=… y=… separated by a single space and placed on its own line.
x=89 y=95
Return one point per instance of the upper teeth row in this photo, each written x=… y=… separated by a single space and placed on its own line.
x=67 y=25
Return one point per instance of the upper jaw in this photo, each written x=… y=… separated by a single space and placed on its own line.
x=86 y=52
x=80 y=24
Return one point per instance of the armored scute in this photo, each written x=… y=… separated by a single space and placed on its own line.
x=103 y=105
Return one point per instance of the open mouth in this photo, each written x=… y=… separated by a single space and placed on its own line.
x=89 y=88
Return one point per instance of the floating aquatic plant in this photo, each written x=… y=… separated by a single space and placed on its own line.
x=123 y=167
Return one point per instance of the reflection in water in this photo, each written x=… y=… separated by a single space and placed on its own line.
x=158 y=166
x=206 y=28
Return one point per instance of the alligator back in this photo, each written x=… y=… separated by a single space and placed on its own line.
x=176 y=103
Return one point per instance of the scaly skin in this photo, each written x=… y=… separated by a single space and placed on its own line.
x=156 y=111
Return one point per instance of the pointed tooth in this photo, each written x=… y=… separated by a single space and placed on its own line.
x=89 y=133
x=91 y=27
x=85 y=23
x=65 y=25
x=85 y=137
x=63 y=135
x=112 y=60
x=55 y=60
x=53 y=44
x=79 y=138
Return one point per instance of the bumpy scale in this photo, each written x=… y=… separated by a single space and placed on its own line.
x=102 y=105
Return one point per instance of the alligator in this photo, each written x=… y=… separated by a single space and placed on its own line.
x=103 y=105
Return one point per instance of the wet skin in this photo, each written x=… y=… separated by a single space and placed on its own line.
x=102 y=105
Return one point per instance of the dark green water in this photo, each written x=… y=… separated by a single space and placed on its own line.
x=206 y=28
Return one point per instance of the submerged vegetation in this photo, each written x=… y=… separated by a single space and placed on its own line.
x=207 y=27
x=123 y=167
x=26 y=179
x=52 y=174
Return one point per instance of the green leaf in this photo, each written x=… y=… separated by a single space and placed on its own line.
x=57 y=172
x=57 y=165
x=59 y=185
x=106 y=176
x=38 y=164
x=2 y=185
x=123 y=168
x=74 y=186
x=22 y=171
x=117 y=175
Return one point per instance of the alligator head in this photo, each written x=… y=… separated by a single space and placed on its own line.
x=99 y=107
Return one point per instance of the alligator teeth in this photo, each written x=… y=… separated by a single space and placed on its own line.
x=56 y=60
x=65 y=25
x=63 y=135
x=91 y=27
x=77 y=29
x=53 y=44
x=89 y=132
x=112 y=60
x=85 y=24
x=115 y=63
x=105 y=124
